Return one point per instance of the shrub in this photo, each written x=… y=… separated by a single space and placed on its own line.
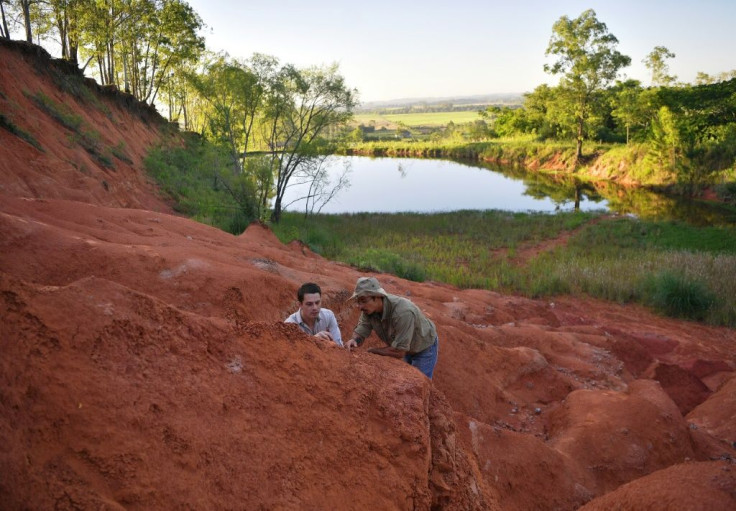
x=676 y=296
x=388 y=262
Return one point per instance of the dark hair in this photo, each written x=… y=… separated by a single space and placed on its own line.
x=307 y=288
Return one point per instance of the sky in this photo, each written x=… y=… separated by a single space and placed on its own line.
x=391 y=49
x=394 y=49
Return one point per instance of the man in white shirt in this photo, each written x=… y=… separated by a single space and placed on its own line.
x=312 y=318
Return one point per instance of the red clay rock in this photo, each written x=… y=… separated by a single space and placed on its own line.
x=704 y=486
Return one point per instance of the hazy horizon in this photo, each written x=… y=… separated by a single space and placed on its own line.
x=394 y=50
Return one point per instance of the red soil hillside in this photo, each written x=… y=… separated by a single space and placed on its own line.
x=144 y=363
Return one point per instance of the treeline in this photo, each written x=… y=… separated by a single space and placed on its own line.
x=266 y=121
x=423 y=108
x=139 y=46
x=690 y=131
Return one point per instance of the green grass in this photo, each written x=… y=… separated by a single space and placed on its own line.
x=677 y=269
x=8 y=124
x=457 y=248
x=81 y=133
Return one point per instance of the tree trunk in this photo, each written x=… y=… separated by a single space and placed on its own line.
x=276 y=213
x=5 y=33
x=579 y=144
x=26 y=6
x=73 y=39
x=62 y=25
x=185 y=113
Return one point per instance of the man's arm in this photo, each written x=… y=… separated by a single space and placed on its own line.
x=334 y=329
x=388 y=351
x=362 y=330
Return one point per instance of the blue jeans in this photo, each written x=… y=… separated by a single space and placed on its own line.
x=425 y=360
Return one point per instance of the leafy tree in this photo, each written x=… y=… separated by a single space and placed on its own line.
x=704 y=119
x=666 y=146
x=627 y=105
x=588 y=62
x=138 y=45
x=656 y=62
x=173 y=41
x=234 y=96
x=301 y=106
x=20 y=12
x=477 y=130
x=537 y=106
x=704 y=78
x=64 y=18
x=234 y=93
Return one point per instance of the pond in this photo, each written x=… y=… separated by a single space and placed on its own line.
x=392 y=185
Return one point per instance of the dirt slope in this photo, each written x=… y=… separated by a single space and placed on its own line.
x=145 y=365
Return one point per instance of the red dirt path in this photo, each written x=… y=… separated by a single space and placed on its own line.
x=145 y=365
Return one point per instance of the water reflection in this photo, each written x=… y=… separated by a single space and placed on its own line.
x=393 y=185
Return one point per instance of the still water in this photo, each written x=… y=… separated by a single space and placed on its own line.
x=391 y=185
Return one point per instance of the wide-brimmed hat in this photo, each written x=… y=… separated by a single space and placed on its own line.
x=368 y=286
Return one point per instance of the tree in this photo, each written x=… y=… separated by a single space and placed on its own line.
x=138 y=45
x=64 y=17
x=235 y=92
x=588 y=61
x=319 y=190
x=627 y=107
x=301 y=106
x=656 y=62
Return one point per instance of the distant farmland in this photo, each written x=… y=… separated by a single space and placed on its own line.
x=436 y=119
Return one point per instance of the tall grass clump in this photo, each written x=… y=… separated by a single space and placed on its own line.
x=385 y=261
x=677 y=269
x=679 y=297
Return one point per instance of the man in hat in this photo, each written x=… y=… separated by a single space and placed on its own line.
x=408 y=333
x=312 y=318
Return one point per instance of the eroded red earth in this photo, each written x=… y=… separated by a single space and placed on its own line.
x=144 y=365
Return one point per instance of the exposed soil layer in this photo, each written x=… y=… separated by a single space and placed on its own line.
x=145 y=365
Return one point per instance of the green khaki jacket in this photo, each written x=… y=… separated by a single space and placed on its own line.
x=402 y=325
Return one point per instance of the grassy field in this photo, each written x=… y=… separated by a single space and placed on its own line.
x=679 y=270
x=416 y=119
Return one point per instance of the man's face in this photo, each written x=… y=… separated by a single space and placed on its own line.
x=310 y=306
x=369 y=304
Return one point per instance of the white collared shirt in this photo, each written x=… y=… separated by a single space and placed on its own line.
x=325 y=321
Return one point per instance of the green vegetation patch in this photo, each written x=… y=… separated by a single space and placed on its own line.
x=192 y=174
x=7 y=124
x=458 y=248
x=677 y=269
x=81 y=134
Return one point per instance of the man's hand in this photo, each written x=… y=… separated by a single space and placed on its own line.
x=325 y=336
x=352 y=343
